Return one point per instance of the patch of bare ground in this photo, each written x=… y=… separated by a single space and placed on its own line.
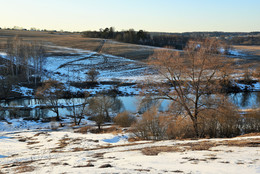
x=252 y=49
x=20 y=167
x=55 y=163
x=106 y=166
x=23 y=169
x=204 y=145
x=152 y=151
x=41 y=133
x=99 y=155
x=250 y=134
x=63 y=142
x=32 y=142
x=178 y=171
x=24 y=139
x=243 y=143
x=87 y=165
x=112 y=129
x=142 y=170
x=83 y=130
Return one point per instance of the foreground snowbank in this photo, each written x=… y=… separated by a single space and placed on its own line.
x=65 y=151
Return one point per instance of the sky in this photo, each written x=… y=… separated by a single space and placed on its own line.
x=149 y=15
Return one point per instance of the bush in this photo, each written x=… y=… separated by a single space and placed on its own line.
x=124 y=119
x=180 y=127
x=151 y=126
x=251 y=122
x=220 y=122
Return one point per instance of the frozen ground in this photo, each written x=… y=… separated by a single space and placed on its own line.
x=73 y=65
x=65 y=151
x=70 y=65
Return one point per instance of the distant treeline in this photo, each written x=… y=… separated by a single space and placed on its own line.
x=174 y=40
x=250 y=40
x=139 y=37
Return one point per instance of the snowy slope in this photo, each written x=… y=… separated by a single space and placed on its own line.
x=69 y=152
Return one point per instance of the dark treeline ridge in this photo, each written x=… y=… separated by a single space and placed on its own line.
x=140 y=37
x=174 y=40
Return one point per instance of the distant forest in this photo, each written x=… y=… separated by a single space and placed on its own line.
x=174 y=40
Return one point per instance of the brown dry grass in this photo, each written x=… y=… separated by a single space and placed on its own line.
x=151 y=151
x=32 y=142
x=83 y=130
x=250 y=134
x=202 y=146
x=75 y=40
x=78 y=149
x=41 y=133
x=253 y=49
x=243 y=143
x=113 y=130
x=23 y=169
x=63 y=143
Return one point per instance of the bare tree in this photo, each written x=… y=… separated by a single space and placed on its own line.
x=25 y=58
x=152 y=126
x=78 y=109
x=190 y=76
x=92 y=75
x=50 y=93
x=101 y=105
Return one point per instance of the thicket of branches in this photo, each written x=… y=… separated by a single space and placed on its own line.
x=25 y=59
x=193 y=84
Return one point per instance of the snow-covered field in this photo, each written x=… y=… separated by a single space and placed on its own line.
x=32 y=147
x=65 y=151
x=71 y=65
x=74 y=65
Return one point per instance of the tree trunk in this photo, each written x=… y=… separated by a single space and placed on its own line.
x=58 y=115
x=195 y=126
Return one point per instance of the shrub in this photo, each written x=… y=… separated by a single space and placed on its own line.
x=151 y=126
x=223 y=121
x=180 y=127
x=124 y=119
x=84 y=130
x=251 y=122
x=92 y=75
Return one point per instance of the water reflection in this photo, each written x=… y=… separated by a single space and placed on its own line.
x=246 y=100
x=243 y=100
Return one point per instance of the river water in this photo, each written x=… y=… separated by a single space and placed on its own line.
x=244 y=100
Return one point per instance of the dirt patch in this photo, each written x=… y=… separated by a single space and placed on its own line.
x=105 y=166
x=152 y=151
x=250 y=134
x=23 y=169
x=32 y=142
x=199 y=146
x=244 y=143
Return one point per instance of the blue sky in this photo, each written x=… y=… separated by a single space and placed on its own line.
x=150 y=15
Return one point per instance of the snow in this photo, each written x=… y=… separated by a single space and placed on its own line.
x=253 y=87
x=74 y=67
x=116 y=139
x=236 y=52
x=3 y=54
x=41 y=149
x=37 y=144
x=256 y=86
x=23 y=90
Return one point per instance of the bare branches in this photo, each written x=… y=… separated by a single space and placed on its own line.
x=190 y=74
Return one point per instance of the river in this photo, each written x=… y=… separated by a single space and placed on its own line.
x=243 y=100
